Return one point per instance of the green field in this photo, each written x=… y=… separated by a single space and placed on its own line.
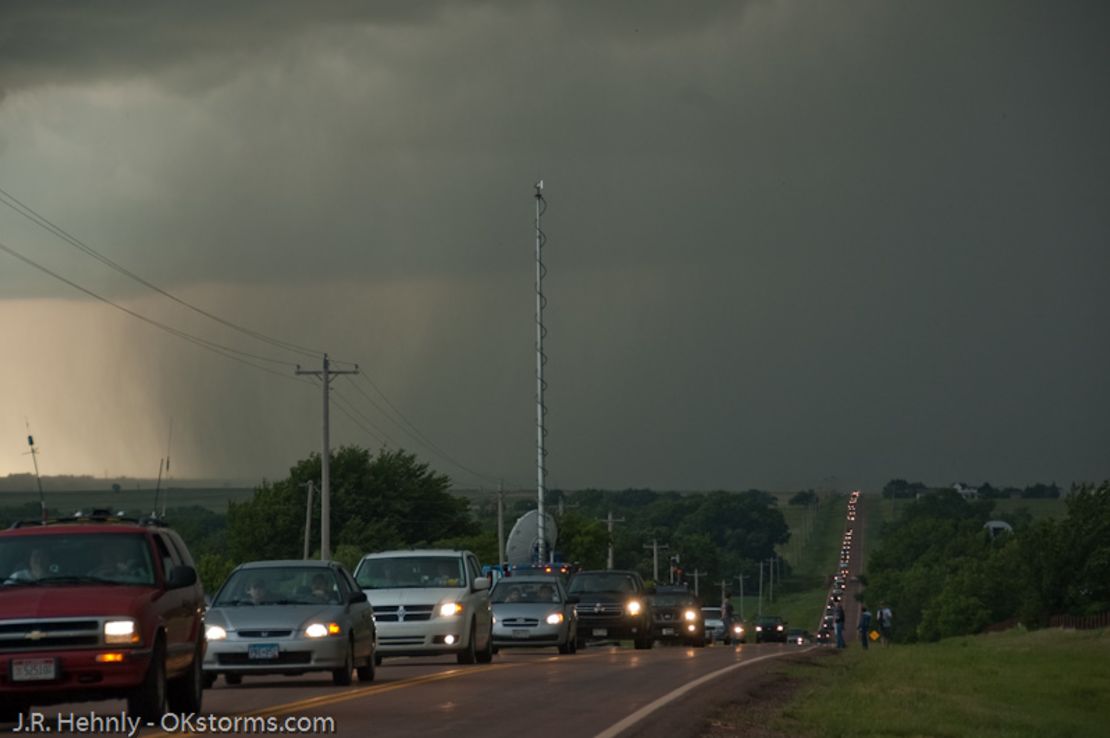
x=1015 y=684
x=133 y=501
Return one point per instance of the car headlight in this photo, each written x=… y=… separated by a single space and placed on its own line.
x=215 y=633
x=690 y=615
x=322 y=630
x=778 y=627
x=121 y=631
x=738 y=629
x=555 y=618
x=447 y=609
x=759 y=629
x=634 y=607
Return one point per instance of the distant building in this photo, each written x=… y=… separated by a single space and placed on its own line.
x=968 y=493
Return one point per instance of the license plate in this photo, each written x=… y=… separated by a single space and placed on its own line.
x=34 y=670
x=520 y=633
x=668 y=631
x=601 y=631
x=262 y=651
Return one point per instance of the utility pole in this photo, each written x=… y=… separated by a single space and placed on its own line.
x=611 y=520
x=697 y=575
x=741 y=577
x=501 y=525
x=307 y=518
x=655 y=557
x=771 y=593
x=760 y=613
x=325 y=375
x=541 y=359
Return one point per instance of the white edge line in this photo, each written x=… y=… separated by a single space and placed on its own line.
x=618 y=728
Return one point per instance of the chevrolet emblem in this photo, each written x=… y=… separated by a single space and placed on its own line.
x=35 y=635
x=401 y=614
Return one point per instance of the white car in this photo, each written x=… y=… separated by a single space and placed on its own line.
x=429 y=602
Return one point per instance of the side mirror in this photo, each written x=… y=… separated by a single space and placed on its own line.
x=355 y=597
x=181 y=576
x=573 y=599
x=480 y=584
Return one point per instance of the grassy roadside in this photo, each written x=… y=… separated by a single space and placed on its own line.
x=1015 y=684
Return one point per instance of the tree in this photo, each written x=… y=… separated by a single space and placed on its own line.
x=378 y=502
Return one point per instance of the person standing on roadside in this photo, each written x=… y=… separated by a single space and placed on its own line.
x=838 y=626
x=864 y=627
x=886 y=621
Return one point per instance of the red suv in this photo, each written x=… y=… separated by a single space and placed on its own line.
x=99 y=607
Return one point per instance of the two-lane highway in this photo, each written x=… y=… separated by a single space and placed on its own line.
x=600 y=691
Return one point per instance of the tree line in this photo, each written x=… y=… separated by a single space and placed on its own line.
x=945 y=574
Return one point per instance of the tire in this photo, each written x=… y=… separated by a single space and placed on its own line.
x=341 y=677
x=377 y=658
x=11 y=713
x=233 y=679
x=185 y=693
x=485 y=656
x=569 y=647
x=469 y=655
x=579 y=641
x=366 y=673
x=148 y=701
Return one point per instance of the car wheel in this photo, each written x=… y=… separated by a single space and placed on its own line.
x=366 y=673
x=148 y=701
x=468 y=655
x=579 y=640
x=377 y=658
x=485 y=656
x=233 y=679
x=11 y=713
x=341 y=677
x=184 y=694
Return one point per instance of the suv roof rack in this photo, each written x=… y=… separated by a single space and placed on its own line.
x=96 y=515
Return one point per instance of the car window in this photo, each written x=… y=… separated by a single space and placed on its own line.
x=603 y=583
x=169 y=557
x=475 y=569
x=109 y=558
x=508 y=591
x=280 y=585
x=179 y=546
x=403 y=572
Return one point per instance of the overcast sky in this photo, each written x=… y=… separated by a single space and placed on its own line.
x=788 y=241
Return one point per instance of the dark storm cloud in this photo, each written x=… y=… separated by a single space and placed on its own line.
x=787 y=241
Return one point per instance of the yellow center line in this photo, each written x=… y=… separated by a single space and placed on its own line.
x=329 y=699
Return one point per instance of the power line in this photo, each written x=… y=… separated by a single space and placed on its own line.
x=226 y=351
x=43 y=222
x=410 y=429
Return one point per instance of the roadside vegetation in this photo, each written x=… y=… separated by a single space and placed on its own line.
x=944 y=574
x=1015 y=684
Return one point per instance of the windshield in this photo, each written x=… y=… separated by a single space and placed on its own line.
x=672 y=600
x=88 y=558
x=404 y=572
x=506 y=591
x=284 y=585
x=603 y=583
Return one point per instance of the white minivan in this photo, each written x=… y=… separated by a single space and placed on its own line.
x=429 y=602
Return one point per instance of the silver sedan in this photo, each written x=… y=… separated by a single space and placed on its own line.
x=290 y=617
x=534 y=611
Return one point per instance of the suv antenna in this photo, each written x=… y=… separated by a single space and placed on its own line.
x=169 y=442
x=158 y=488
x=35 y=458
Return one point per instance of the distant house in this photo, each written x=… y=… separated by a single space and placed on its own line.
x=968 y=493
